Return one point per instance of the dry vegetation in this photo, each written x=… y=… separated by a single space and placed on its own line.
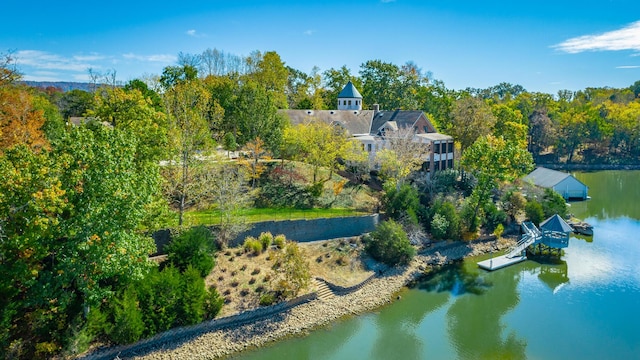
x=242 y=277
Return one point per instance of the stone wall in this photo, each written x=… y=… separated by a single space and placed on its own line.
x=301 y=230
x=313 y=229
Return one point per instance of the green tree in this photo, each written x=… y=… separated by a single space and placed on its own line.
x=316 y=143
x=194 y=247
x=70 y=217
x=187 y=106
x=534 y=212
x=493 y=160
x=471 y=119
x=293 y=270
x=253 y=113
x=553 y=203
x=272 y=74
x=192 y=307
x=128 y=325
x=389 y=243
x=132 y=111
x=75 y=103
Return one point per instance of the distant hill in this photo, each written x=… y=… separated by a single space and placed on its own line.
x=62 y=85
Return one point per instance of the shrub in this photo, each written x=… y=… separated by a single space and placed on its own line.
x=265 y=239
x=160 y=295
x=553 y=203
x=401 y=203
x=493 y=217
x=193 y=298
x=389 y=243
x=212 y=303
x=534 y=212
x=439 y=227
x=279 y=241
x=294 y=269
x=252 y=244
x=267 y=299
x=128 y=325
x=193 y=247
x=498 y=230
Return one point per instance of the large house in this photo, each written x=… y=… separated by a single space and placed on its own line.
x=372 y=127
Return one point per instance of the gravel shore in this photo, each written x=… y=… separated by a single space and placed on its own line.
x=306 y=317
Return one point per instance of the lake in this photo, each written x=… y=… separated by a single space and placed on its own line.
x=585 y=306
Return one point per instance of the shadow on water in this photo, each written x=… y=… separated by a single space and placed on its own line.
x=454 y=278
x=480 y=301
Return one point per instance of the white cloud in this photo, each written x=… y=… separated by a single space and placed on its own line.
x=92 y=57
x=159 y=58
x=626 y=38
x=309 y=32
x=45 y=60
x=628 y=67
x=195 y=34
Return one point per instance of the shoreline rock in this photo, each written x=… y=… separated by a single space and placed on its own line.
x=304 y=318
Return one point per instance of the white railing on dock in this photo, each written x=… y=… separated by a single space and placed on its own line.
x=531 y=235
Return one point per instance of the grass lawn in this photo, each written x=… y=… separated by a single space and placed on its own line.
x=212 y=217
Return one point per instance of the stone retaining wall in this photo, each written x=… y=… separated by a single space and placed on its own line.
x=175 y=335
x=301 y=230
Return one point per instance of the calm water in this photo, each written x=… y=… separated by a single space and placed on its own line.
x=587 y=306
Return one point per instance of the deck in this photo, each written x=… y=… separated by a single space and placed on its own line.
x=500 y=261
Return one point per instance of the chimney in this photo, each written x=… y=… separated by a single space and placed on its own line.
x=376 y=108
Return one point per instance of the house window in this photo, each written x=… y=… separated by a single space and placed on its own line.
x=436 y=149
x=450 y=147
x=450 y=163
x=349 y=102
x=369 y=147
x=344 y=102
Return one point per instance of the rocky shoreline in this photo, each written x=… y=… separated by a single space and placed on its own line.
x=306 y=317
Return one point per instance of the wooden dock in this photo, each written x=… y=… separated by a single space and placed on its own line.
x=499 y=262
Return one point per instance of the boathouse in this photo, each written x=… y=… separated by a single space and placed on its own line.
x=563 y=183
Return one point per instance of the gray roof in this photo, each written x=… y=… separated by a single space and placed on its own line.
x=546 y=178
x=556 y=223
x=402 y=118
x=355 y=121
x=349 y=91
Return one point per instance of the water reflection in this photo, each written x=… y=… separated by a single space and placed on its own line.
x=398 y=334
x=554 y=276
x=474 y=321
x=613 y=194
x=455 y=279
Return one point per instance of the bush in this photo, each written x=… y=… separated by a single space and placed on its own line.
x=128 y=325
x=265 y=239
x=212 y=303
x=447 y=211
x=194 y=247
x=402 y=203
x=534 y=212
x=267 y=299
x=160 y=294
x=279 y=241
x=439 y=227
x=193 y=295
x=493 y=217
x=553 y=203
x=252 y=244
x=498 y=230
x=389 y=243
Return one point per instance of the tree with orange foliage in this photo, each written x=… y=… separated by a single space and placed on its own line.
x=20 y=121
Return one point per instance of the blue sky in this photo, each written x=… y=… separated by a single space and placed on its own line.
x=542 y=45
